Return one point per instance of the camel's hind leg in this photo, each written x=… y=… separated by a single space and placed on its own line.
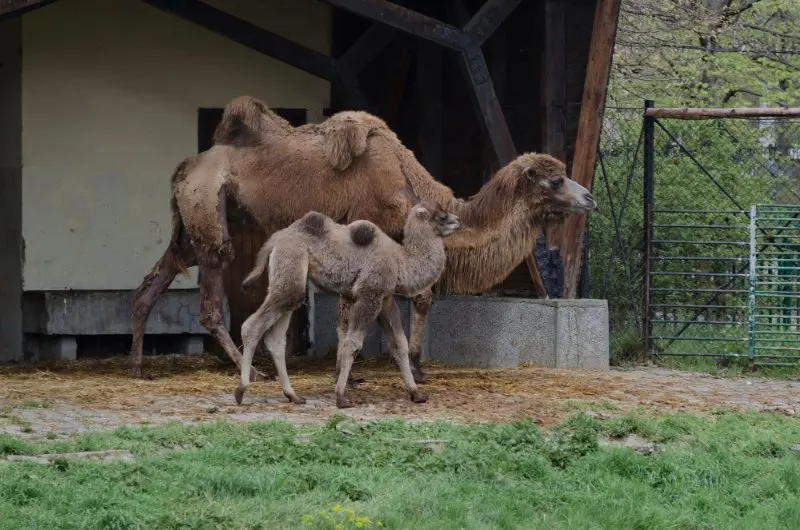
x=253 y=330
x=392 y=326
x=422 y=305
x=275 y=341
x=288 y=270
x=362 y=313
x=147 y=294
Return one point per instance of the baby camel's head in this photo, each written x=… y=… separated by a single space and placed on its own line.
x=442 y=222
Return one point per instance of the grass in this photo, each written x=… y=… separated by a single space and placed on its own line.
x=728 y=471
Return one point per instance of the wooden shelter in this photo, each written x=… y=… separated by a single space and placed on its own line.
x=466 y=84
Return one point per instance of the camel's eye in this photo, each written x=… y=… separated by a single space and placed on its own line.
x=556 y=183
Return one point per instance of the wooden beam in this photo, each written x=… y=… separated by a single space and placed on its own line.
x=484 y=97
x=429 y=58
x=406 y=20
x=687 y=113
x=601 y=50
x=250 y=35
x=15 y=8
x=554 y=72
x=488 y=18
x=368 y=46
x=554 y=96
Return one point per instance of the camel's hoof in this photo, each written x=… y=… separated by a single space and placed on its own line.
x=418 y=376
x=239 y=393
x=343 y=403
x=296 y=400
x=418 y=397
x=259 y=376
x=356 y=382
x=139 y=374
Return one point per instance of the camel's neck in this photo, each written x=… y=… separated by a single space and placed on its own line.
x=483 y=254
x=422 y=261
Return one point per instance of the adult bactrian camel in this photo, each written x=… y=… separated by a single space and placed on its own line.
x=351 y=166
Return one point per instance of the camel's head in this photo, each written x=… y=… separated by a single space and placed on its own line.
x=443 y=222
x=546 y=177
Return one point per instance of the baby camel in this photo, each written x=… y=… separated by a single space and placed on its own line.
x=362 y=265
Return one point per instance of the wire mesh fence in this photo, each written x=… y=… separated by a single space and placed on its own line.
x=670 y=243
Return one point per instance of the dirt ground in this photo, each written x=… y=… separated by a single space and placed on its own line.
x=61 y=399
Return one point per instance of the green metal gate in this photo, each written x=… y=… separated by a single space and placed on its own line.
x=774 y=297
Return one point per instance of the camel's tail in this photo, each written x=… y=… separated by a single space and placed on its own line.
x=262 y=260
x=177 y=221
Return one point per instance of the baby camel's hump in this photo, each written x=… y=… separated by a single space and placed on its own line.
x=340 y=255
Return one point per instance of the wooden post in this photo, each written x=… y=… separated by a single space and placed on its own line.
x=429 y=100
x=590 y=124
x=554 y=104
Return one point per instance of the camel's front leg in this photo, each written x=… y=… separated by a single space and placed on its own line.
x=392 y=326
x=211 y=295
x=341 y=332
x=422 y=305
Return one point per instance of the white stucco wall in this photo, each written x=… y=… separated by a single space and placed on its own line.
x=110 y=97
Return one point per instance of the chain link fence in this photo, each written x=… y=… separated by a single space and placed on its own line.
x=679 y=281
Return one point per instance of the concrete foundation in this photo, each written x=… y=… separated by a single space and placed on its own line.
x=495 y=332
x=49 y=348
x=57 y=324
x=109 y=313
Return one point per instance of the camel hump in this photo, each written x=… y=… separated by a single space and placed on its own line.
x=345 y=136
x=242 y=122
x=362 y=234
x=313 y=223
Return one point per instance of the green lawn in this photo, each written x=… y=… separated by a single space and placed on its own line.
x=729 y=471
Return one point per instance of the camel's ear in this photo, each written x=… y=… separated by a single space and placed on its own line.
x=530 y=173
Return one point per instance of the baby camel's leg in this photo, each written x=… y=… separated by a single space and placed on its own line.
x=392 y=326
x=275 y=341
x=341 y=332
x=362 y=313
x=253 y=329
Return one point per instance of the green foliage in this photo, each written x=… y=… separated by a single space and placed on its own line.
x=728 y=471
x=720 y=164
x=707 y=53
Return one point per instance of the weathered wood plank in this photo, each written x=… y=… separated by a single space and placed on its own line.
x=554 y=99
x=15 y=8
x=687 y=113
x=488 y=18
x=407 y=20
x=429 y=98
x=366 y=48
x=484 y=97
x=601 y=49
x=250 y=35
x=554 y=70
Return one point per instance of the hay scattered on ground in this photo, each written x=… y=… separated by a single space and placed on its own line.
x=195 y=388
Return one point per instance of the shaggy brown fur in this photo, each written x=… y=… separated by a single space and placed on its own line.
x=322 y=167
x=365 y=273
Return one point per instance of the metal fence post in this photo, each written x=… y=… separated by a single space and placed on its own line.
x=647 y=222
x=751 y=290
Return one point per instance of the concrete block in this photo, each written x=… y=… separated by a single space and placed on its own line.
x=326 y=316
x=491 y=332
x=494 y=332
x=109 y=313
x=48 y=348
x=581 y=334
x=192 y=345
